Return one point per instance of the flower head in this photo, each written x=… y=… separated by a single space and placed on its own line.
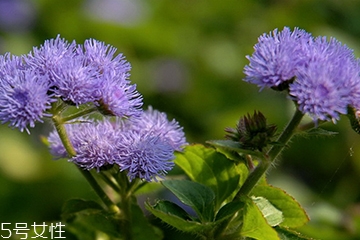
x=24 y=95
x=76 y=83
x=49 y=56
x=323 y=86
x=93 y=142
x=102 y=57
x=276 y=58
x=154 y=121
x=144 y=155
x=119 y=97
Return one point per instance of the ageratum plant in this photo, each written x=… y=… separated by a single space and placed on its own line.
x=101 y=127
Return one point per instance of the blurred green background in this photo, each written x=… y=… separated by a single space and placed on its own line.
x=187 y=59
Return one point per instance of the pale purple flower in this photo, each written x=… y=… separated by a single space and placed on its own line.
x=47 y=58
x=152 y=120
x=74 y=82
x=119 y=97
x=101 y=56
x=93 y=142
x=24 y=96
x=276 y=57
x=323 y=86
x=144 y=155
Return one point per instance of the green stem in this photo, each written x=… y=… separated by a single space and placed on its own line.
x=285 y=135
x=79 y=114
x=265 y=163
x=125 y=203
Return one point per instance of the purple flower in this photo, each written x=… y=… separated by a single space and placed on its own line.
x=145 y=152
x=93 y=142
x=154 y=121
x=119 y=97
x=323 y=86
x=24 y=95
x=74 y=82
x=49 y=56
x=276 y=58
x=101 y=56
x=144 y=155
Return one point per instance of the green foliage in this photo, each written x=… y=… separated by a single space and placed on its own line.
x=255 y=225
x=267 y=214
x=87 y=220
x=206 y=166
x=195 y=195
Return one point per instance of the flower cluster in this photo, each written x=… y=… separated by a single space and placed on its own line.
x=321 y=75
x=75 y=73
x=142 y=143
x=143 y=146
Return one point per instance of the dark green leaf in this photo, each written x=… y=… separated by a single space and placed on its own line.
x=229 y=210
x=206 y=166
x=233 y=146
x=141 y=228
x=73 y=206
x=320 y=132
x=93 y=220
x=196 y=195
x=255 y=225
x=178 y=222
x=171 y=208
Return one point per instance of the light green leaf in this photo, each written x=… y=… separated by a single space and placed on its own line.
x=286 y=234
x=272 y=215
x=206 y=166
x=294 y=215
x=255 y=225
x=196 y=195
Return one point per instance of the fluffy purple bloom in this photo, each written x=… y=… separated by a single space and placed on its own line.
x=49 y=56
x=24 y=95
x=154 y=121
x=101 y=56
x=144 y=155
x=74 y=82
x=119 y=97
x=323 y=86
x=94 y=144
x=276 y=57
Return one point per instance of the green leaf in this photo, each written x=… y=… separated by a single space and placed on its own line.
x=294 y=215
x=73 y=206
x=176 y=221
x=320 y=132
x=272 y=215
x=89 y=217
x=286 y=234
x=196 y=195
x=171 y=208
x=233 y=146
x=255 y=225
x=141 y=228
x=229 y=210
x=213 y=169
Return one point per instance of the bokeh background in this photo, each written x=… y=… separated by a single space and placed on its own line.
x=187 y=59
